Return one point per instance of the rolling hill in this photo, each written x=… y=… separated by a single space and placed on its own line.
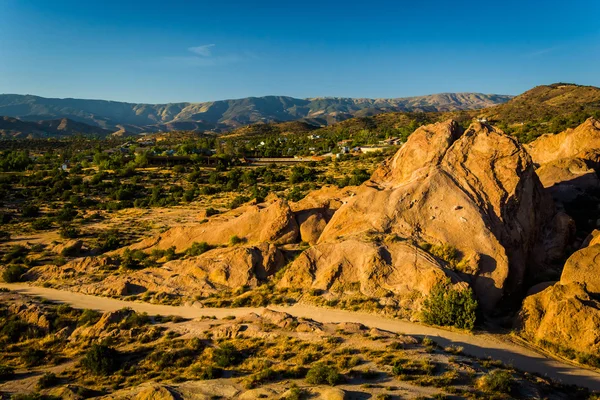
x=228 y=114
x=16 y=128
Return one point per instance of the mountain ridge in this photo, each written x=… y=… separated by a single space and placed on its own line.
x=223 y=115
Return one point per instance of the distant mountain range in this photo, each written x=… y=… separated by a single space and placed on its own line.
x=64 y=117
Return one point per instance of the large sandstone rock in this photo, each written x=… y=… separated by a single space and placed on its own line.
x=568 y=312
x=562 y=314
x=371 y=268
x=273 y=223
x=568 y=178
x=230 y=267
x=315 y=210
x=579 y=142
x=476 y=191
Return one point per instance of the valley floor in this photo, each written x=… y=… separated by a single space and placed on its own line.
x=478 y=345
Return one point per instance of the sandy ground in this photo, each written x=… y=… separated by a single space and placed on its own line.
x=477 y=345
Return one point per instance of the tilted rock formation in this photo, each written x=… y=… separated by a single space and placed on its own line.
x=476 y=191
x=315 y=210
x=579 y=142
x=230 y=267
x=273 y=223
x=568 y=161
x=567 y=313
x=374 y=269
x=568 y=178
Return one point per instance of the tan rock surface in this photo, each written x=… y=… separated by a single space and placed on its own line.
x=584 y=267
x=373 y=269
x=570 y=143
x=563 y=314
x=229 y=267
x=274 y=222
x=476 y=191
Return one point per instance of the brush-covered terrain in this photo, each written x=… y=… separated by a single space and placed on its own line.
x=474 y=224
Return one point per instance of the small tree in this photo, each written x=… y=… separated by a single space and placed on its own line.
x=449 y=306
x=100 y=360
x=320 y=374
x=13 y=273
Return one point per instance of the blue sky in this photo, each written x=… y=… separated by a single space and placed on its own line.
x=170 y=51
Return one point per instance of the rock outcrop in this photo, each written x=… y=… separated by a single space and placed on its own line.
x=476 y=191
x=581 y=142
x=230 y=267
x=567 y=313
x=274 y=223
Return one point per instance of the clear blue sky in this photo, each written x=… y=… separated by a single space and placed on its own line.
x=169 y=51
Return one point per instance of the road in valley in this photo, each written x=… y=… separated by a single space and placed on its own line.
x=478 y=345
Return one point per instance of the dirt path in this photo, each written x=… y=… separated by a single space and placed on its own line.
x=480 y=345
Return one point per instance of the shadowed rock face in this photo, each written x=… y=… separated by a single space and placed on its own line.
x=476 y=191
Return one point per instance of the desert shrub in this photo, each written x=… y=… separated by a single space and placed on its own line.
x=448 y=306
x=226 y=355
x=68 y=232
x=135 y=320
x=235 y=240
x=13 y=273
x=496 y=381
x=100 y=360
x=108 y=241
x=198 y=248
x=238 y=201
x=41 y=224
x=320 y=374
x=208 y=372
x=448 y=253
x=33 y=357
x=49 y=379
x=6 y=372
x=211 y=211
x=88 y=317
x=30 y=211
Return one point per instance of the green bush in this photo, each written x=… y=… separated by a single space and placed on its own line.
x=447 y=306
x=13 y=273
x=100 y=360
x=49 y=379
x=235 y=240
x=33 y=357
x=198 y=248
x=6 y=373
x=226 y=355
x=496 y=381
x=41 y=224
x=69 y=232
x=320 y=374
x=88 y=317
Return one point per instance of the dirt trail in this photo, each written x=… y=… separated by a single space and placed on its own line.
x=478 y=345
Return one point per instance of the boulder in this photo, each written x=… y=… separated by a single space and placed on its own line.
x=584 y=267
x=315 y=210
x=583 y=141
x=155 y=393
x=370 y=268
x=567 y=313
x=564 y=315
x=229 y=267
x=568 y=178
x=274 y=223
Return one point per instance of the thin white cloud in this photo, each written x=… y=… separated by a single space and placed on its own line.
x=541 y=52
x=205 y=50
x=193 y=61
x=204 y=57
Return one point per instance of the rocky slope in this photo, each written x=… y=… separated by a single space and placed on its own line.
x=476 y=191
x=228 y=114
x=566 y=314
x=15 y=128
